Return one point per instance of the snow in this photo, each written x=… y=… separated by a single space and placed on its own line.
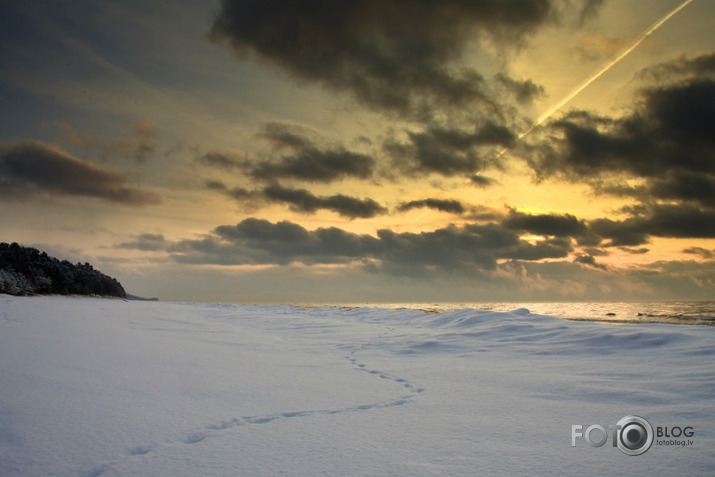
x=108 y=387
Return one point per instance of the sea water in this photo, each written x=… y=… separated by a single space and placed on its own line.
x=675 y=312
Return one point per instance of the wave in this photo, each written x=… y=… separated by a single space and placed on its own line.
x=466 y=331
x=670 y=312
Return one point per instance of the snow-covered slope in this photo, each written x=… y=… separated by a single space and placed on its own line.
x=93 y=387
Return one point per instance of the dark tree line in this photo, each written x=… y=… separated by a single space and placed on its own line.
x=27 y=271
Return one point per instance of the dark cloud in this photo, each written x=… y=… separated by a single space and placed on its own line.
x=666 y=144
x=451 y=249
x=447 y=151
x=596 y=252
x=589 y=260
x=679 y=221
x=684 y=186
x=397 y=56
x=481 y=181
x=525 y=91
x=670 y=221
x=301 y=159
x=299 y=200
x=147 y=242
x=30 y=168
x=313 y=165
x=286 y=242
x=302 y=200
x=244 y=195
x=670 y=132
x=468 y=249
x=546 y=224
x=215 y=185
x=549 y=248
x=701 y=252
x=628 y=232
x=221 y=161
x=282 y=135
x=699 y=66
x=590 y=10
x=635 y=251
x=444 y=205
x=678 y=186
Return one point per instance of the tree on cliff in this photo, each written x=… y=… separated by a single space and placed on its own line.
x=27 y=271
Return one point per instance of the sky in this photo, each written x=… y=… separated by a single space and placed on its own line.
x=365 y=151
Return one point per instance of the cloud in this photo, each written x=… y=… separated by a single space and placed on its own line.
x=258 y=241
x=471 y=248
x=146 y=242
x=443 y=205
x=628 y=232
x=593 y=47
x=299 y=200
x=669 y=132
x=468 y=257
x=143 y=143
x=678 y=221
x=683 y=186
x=548 y=248
x=701 y=252
x=301 y=158
x=697 y=276
x=589 y=260
x=313 y=165
x=282 y=135
x=546 y=224
x=525 y=91
x=665 y=220
x=30 y=168
x=590 y=10
x=396 y=56
x=302 y=200
x=481 y=181
x=662 y=154
x=447 y=151
x=139 y=145
x=683 y=67
x=221 y=161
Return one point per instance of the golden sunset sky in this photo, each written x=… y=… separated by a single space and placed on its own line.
x=365 y=151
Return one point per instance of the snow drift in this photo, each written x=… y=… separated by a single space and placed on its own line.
x=108 y=387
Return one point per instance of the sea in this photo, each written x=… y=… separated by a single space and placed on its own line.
x=700 y=312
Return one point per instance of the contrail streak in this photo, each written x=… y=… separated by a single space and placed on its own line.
x=640 y=39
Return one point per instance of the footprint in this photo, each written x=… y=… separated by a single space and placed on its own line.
x=195 y=437
x=97 y=471
x=224 y=424
x=141 y=450
x=260 y=420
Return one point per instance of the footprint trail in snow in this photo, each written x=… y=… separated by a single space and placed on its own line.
x=217 y=429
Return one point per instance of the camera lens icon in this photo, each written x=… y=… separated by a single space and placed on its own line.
x=635 y=435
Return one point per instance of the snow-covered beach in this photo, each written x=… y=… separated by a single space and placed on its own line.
x=110 y=387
